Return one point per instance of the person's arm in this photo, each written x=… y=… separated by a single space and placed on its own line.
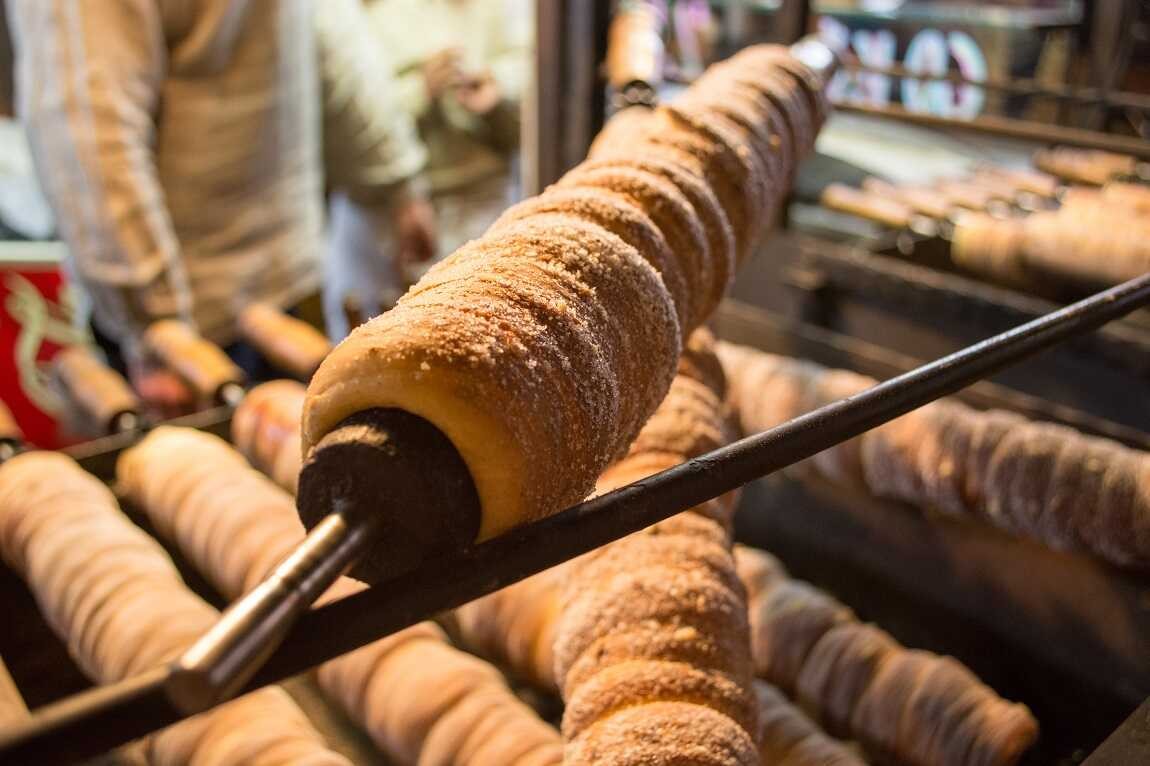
x=419 y=85
x=371 y=150
x=89 y=75
x=490 y=108
x=512 y=54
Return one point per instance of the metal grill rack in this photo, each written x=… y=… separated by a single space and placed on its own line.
x=1011 y=610
x=902 y=285
x=101 y=718
x=927 y=311
x=93 y=721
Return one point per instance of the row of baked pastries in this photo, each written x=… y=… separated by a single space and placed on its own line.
x=651 y=229
x=677 y=661
x=418 y=698
x=131 y=608
x=1046 y=482
x=117 y=600
x=682 y=193
x=651 y=632
x=840 y=683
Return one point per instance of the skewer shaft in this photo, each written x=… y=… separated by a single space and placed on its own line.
x=218 y=665
x=102 y=719
x=126 y=423
x=528 y=550
x=363 y=478
x=230 y=394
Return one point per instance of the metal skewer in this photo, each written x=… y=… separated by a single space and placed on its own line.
x=10 y=448
x=100 y=400
x=126 y=423
x=11 y=439
x=135 y=707
x=217 y=665
x=373 y=461
x=230 y=394
x=203 y=365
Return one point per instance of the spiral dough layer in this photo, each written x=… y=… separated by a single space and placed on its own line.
x=1046 y=482
x=653 y=627
x=266 y=430
x=902 y=705
x=118 y=601
x=1095 y=239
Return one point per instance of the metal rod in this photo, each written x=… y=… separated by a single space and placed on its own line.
x=126 y=423
x=456 y=579
x=225 y=658
x=1019 y=86
x=230 y=395
x=551 y=541
x=1012 y=128
x=1129 y=743
x=91 y=722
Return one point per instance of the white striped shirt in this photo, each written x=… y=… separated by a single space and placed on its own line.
x=182 y=144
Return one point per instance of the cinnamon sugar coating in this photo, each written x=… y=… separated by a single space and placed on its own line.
x=653 y=628
x=540 y=349
x=902 y=705
x=1042 y=481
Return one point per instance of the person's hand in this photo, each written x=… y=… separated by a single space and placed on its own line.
x=415 y=231
x=478 y=95
x=442 y=72
x=164 y=394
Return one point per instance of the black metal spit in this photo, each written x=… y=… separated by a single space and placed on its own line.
x=104 y=717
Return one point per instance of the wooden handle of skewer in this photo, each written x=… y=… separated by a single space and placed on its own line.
x=1001 y=187
x=964 y=194
x=9 y=431
x=1029 y=181
x=920 y=199
x=291 y=344
x=882 y=210
x=99 y=393
x=635 y=48
x=1084 y=166
x=12 y=705
x=202 y=364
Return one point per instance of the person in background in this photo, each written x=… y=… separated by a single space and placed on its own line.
x=183 y=147
x=461 y=68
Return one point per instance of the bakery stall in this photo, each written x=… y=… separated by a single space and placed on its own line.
x=874 y=272
x=617 y=483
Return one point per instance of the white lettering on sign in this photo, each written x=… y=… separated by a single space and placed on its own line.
x=930 y=52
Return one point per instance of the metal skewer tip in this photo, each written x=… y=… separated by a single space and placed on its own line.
x=217 y=666
x=230 y=394
x=372 y=462
x=126 y=423
x=9 y=449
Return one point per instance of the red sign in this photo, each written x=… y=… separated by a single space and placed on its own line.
x=35 y=323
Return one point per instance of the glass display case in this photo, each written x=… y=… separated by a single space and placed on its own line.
x=978 y=41
x=981 y=42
